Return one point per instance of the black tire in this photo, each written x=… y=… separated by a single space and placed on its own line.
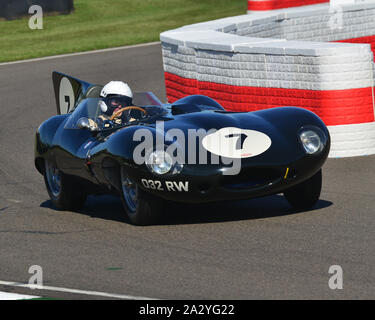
x=306 y=194
x=145 y=209
x=69 y=195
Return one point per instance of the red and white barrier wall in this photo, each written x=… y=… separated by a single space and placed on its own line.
x=257 y=61
x=265 y=5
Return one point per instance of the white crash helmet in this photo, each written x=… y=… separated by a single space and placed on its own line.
x=115 y=88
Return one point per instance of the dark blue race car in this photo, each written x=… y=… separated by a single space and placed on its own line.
x=190 y=151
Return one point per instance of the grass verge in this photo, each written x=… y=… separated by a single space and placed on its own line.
x=99 y=24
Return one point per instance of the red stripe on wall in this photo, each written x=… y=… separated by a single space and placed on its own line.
x=334 y=107
x=369 y=39
x=280 y=4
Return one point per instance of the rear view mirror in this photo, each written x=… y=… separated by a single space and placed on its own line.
x=83 y=123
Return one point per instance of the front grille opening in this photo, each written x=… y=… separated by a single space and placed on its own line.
x=251 y=178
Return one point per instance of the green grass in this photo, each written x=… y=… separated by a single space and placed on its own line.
x=98 y=24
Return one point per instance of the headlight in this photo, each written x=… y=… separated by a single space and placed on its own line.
x=311 y=141
x=159 y=162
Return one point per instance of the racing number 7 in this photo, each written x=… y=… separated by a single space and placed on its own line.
x=241 y=137
x=67 y=100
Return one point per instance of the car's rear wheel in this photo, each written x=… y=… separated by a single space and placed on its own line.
x=141 y=207
x=65 y=194
x=306 y=194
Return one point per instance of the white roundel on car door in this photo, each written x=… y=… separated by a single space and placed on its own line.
x=66 y=96
x=234 y=142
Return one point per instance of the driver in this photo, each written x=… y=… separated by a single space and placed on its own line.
x=116 y=96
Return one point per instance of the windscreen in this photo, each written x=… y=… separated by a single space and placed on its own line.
x=88 y=108
x=101 y=110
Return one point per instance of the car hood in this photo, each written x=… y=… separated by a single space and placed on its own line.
x=283 y=135
x=278 y=129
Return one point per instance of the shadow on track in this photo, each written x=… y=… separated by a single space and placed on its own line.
x=103 y=207
x=259 y=208
x=110 y=208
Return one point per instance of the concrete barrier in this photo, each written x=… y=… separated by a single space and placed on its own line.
x=257 y=61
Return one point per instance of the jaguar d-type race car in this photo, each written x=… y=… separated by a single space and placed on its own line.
x=191 y=151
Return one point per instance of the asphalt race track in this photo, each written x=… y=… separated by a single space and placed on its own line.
x=236 y=250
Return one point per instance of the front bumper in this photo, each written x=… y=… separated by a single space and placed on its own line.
x=202 y=183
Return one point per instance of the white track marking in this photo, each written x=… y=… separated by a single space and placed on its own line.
x=15 y=296
x=79 y=53
x=76 y=291
x=14 y=200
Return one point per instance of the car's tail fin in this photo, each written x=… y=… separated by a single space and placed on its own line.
x=68 y=91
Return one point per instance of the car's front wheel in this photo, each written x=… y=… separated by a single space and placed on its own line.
x=306 y=194
x=141 y=207
x=65 y=194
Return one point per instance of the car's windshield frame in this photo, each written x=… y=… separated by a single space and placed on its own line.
x=90 y=108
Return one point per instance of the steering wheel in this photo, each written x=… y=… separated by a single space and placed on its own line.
x=118 y=113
